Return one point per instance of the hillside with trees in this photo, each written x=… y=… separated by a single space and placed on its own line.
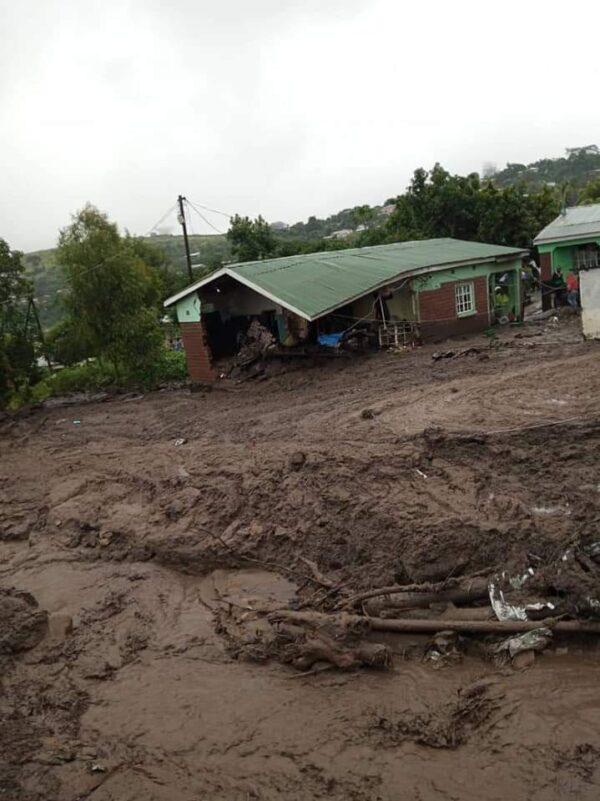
x=574 y=170
x=44 y=269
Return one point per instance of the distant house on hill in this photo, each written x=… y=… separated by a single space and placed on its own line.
x=432 y=288
x=278 y=225
x=343 y=233
x=571 y=243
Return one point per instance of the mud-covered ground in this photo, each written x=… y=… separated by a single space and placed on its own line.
x=120 y=547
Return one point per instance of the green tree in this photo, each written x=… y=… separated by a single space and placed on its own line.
x=438 y=204
x=65 y=343
x=17 y=345
x=251 y=239
x=362 y=215
x=113 y=294
x=590 y=193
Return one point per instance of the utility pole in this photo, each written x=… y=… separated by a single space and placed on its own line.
x=181 y=219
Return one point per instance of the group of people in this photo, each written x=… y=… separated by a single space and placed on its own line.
x=564 y=292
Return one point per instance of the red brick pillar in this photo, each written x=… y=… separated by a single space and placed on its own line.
x=545 y=276
x=197 y=352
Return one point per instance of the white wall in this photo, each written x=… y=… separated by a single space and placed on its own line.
x=589 y=286
x=242 y=300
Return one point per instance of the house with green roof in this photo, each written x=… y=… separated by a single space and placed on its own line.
x=569 y=243
x=437 y=287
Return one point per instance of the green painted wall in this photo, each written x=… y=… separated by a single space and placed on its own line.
x=188 y=309
x=403 y=305
x=563 y=253
x=435 y=280
x=563 y=257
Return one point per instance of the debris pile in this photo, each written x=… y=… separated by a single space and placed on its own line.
x=331 y=628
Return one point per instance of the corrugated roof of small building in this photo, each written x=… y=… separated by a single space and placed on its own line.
x=577 y=222
x=314 y=284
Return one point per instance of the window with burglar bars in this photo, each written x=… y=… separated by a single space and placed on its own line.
x=465 y=299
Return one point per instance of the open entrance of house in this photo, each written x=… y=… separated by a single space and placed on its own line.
x=229 y=309
x=504 y=296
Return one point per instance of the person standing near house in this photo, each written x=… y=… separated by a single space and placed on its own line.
x=501 y=304
x=573 y=289
x=558 y=288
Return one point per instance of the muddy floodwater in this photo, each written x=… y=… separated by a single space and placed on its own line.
x=122 y=553
x=170 y=715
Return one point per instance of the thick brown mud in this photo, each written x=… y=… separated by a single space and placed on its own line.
x=120 y=550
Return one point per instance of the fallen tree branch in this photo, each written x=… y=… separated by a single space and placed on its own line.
x=432 y=626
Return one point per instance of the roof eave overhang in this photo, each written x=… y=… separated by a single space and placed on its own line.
x=194 y=287
x=243 y=280
x=555 y=240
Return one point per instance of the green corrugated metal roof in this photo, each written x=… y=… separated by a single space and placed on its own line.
x=316 y=283
x=575 y=223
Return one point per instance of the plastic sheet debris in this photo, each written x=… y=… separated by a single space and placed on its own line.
x=507 y=611
x=180 y=441
x=502 y=609
x=516 y=582
x=330 y=340
x=534 y=640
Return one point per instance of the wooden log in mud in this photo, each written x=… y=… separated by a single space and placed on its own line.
x=474 y=590
x=431 y=626
x=476 y=580
x=323 y=649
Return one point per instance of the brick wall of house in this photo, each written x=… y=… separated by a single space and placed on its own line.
x=197 y=352
x=546 y=275
x=438 y=311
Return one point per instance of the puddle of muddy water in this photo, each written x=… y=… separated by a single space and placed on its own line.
x=173 y=716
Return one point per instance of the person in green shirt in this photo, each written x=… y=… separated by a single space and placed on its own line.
x=502 y=298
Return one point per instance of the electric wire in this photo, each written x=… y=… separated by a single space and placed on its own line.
x=162 y=219
x=214 y=211
x=202 y=217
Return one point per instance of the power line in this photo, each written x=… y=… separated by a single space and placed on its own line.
x=101 y=263
x=214 y=211
x=208 y=222
x=162 y=219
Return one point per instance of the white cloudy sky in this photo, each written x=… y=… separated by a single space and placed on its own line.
x=280 y=107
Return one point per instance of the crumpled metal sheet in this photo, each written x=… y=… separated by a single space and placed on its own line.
x=534 y=640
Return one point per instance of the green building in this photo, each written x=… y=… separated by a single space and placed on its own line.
x=571 y=242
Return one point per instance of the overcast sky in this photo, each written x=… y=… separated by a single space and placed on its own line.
x=276 y=107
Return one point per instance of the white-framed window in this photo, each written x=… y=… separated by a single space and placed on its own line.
x=465 y=298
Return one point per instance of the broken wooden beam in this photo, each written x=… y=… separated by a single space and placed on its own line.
x=431 y=626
